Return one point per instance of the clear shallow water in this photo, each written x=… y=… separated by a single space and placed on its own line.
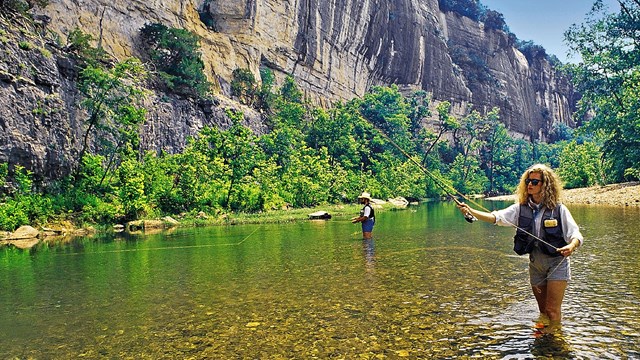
x=429 y=285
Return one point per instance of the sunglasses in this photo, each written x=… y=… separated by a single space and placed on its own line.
x=535 y=182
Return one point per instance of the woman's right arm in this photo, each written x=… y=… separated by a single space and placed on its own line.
x=481 y=215
x=505 y=217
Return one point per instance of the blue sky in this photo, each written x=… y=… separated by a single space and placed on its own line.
x=545 y=21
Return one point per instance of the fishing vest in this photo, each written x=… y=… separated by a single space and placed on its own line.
x=371 y=213
x=551 y=232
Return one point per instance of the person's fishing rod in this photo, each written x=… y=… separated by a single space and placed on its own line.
x=468 y=216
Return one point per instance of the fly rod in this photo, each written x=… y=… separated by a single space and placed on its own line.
x=468 y=216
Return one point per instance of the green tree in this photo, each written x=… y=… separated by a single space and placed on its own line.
x=466 y=175
x=469 y=8
x=496 y=154
x=531 y=50
x=4 y=171
x=290 y=92
x=23 y=205
x=113 y=99
x=21 y=6
x=310 y=178
x=265 y=96
x=79 y=45
x=159 y=172
x=176 y=56
x=446 y=123
x=418 y=103
x=243 y=86
x=200 y=180
x=131 y=188
x=580 y=165
x=467 y=141
x=546 y=153
x=494 y=20
x=388 y=112
x=522 y=156
x=242 y=156
x=336 y=131
x=608 y=77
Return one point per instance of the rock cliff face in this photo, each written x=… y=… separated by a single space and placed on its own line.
x=334 y=49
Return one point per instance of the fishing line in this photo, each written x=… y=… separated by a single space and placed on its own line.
x=468 y=217
x=537 y=286
x=448 y=189
x=166 y=247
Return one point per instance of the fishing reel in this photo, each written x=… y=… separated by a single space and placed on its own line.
x=470 y=218
x=467 y=216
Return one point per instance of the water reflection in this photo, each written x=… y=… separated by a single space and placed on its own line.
x=429 y=286
x=551 y=343
x=369 y=250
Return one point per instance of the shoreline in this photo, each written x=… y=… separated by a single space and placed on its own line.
x=27 y=236
x=616 y=195
x=619 y=195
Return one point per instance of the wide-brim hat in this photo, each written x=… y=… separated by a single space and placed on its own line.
x=365 y=195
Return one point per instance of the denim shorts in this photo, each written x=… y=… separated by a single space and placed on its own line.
x=367 y=226
x=543 y=268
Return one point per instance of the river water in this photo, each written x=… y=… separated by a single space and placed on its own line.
x=428 y=286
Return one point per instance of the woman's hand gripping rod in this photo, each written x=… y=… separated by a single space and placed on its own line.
x=467 y=216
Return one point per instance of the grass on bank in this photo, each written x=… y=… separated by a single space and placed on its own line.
x=337 y=212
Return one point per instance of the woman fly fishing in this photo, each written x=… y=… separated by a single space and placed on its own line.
x=545 y=230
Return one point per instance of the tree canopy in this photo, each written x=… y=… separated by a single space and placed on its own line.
x=608 y=77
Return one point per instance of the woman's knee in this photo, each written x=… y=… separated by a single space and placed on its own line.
x=553 y=312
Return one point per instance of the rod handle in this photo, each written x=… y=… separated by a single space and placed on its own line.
x=470 y=218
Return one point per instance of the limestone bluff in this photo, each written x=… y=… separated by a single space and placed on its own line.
x=335 y=50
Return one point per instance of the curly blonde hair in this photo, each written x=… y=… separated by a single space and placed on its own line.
x=551 y=186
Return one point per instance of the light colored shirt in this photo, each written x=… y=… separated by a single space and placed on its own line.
x=509 y=217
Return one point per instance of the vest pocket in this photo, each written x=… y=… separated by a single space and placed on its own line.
x=522 y=243
x=553 y=235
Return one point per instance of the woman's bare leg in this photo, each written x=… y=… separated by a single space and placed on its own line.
x=555 y=295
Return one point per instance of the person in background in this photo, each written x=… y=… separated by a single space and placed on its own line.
x=538 y=215
x=367 y=215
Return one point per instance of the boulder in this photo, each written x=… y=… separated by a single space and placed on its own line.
x=171 y=221
x=153 y=224
x=48 y=232
x=133 y=226
x=24 y=232
x=399 y=201
x=321 y=215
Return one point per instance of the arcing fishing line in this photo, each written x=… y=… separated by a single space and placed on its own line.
x=470 y=218
x=167 y=247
